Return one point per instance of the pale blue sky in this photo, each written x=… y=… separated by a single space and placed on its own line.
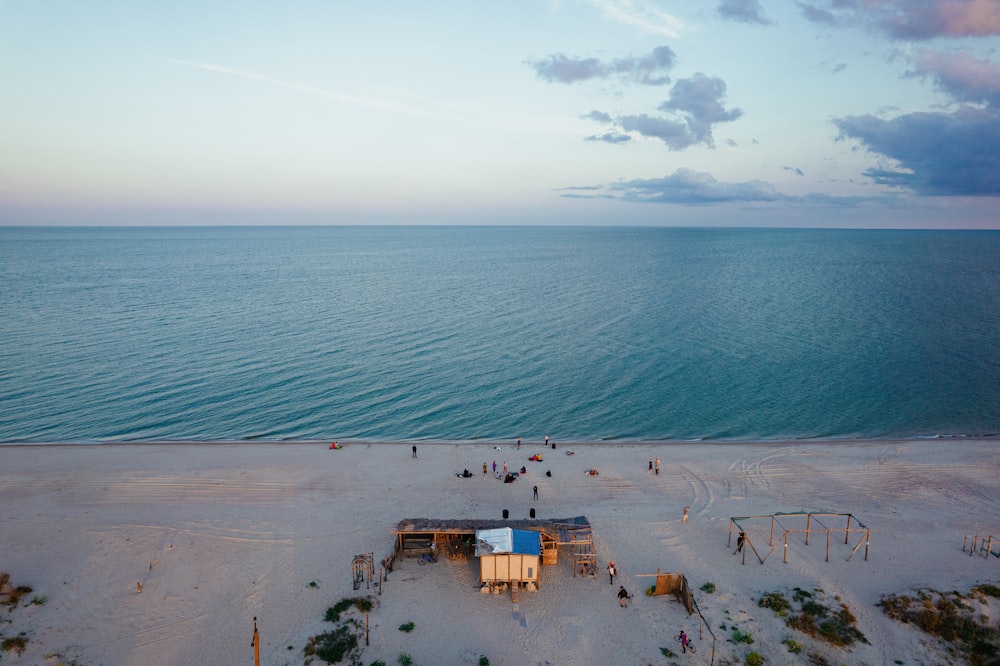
x=881 y=113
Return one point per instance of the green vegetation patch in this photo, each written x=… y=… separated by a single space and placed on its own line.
x=343 y=641
x=948 y=616
x=333 y=646
x=809 y=613
x=15 y=644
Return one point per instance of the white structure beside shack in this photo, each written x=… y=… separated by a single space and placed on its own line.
x=509 y=556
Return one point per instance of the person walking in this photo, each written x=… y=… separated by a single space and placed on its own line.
x=739 y=541
x=650 y=466
x=414 y=450
x=622 y=596
x=518 y=443
x=683 y=638
x=657 y=467
x=611 y=572
x=485 y=469
x=534 y=491
x=505 y=469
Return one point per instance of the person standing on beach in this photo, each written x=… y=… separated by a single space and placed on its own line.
x=534 y=490
x=650 y=466
x=505 y=468
x=686 y=509
x=494 y=466
x=546 y=440
x=657 y=467
x=611 y=572
x=484 y=469
x=622 y=596
x=414 y=450
x=518 y=443
x=739 y=541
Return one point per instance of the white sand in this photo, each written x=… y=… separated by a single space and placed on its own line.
x=220 y=533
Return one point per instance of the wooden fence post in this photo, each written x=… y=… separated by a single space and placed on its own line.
x=256 y=643
x=785 y=560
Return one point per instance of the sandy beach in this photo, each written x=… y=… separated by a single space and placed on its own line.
x=217 y=534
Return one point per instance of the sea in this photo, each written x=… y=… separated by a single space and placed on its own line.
x=444 y=333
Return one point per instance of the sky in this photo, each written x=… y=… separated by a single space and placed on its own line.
x=791 y=113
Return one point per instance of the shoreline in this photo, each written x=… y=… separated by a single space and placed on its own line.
x=510 y=442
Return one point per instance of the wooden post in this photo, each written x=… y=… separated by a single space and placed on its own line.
x=256 y=643
x=847 y=531
x=770 y=537
x=808 y=524
x=868 y=537
x=989 y=546
x=786 y=548
x=828 y=544
x=975 y=538
x=729 y=539
x=965 y=542
x=366 y=629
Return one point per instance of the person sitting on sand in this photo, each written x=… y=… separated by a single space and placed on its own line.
x=524 y=470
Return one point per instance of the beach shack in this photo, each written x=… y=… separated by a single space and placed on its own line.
x=509 y=556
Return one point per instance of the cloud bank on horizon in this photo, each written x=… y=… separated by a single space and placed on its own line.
x=815 y=112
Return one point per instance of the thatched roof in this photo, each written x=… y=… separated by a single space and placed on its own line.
x=562 y=530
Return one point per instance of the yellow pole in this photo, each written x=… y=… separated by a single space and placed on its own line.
x=256 y=643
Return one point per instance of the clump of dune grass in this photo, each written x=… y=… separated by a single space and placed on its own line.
x=953 y=617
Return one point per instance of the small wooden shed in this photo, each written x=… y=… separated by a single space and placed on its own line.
x=507 y=555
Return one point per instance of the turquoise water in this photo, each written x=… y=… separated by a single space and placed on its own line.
x=444 y=333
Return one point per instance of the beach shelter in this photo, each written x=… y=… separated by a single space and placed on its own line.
x=507 y=555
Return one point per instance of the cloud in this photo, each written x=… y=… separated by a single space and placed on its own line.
x=910 y=19
x=747 y=11
x=695 y=188
x=938 y=154
x=963 y=77
x=954 y=153
x=699 y=100
x=695 y=106
x=686 y=186
x=640 y=14
x=374 y=103
x=649 y=69
x=609 y=137
x=674 y=133
x=599 y=116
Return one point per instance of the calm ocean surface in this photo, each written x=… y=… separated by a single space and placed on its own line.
x=444 y=333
